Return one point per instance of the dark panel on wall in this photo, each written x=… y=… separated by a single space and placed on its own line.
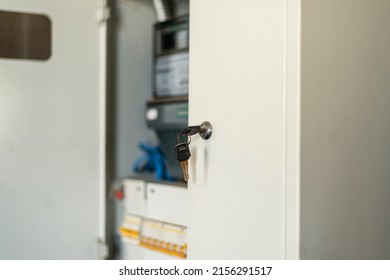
x=25 y=36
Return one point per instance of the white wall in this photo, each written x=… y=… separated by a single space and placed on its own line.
x=345 y=195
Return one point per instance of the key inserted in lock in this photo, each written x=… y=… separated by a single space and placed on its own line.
x=205 y=130
x=182 y=149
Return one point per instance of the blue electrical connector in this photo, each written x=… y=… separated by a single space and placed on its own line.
x=153 y=160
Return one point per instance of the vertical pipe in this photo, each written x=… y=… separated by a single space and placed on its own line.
x=160 y=10
x=102 y=124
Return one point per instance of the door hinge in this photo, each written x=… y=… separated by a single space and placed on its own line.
x=101 y=250
x=103 y=11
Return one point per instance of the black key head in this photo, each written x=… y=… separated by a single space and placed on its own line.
x=182 y=152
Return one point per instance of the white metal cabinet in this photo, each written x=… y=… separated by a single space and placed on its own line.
x=135 y=197
x=52 y=138
x=298 y=95
x=237 y=183
x=168 y=203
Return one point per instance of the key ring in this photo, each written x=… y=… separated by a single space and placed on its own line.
x=178 y=138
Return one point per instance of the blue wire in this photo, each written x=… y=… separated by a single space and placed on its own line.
x=153 y=160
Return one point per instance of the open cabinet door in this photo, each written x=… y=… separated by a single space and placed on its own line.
x=243 y=180
x=52 y=100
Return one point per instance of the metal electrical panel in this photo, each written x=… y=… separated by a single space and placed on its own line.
x=167 y=111
x=171 y=58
